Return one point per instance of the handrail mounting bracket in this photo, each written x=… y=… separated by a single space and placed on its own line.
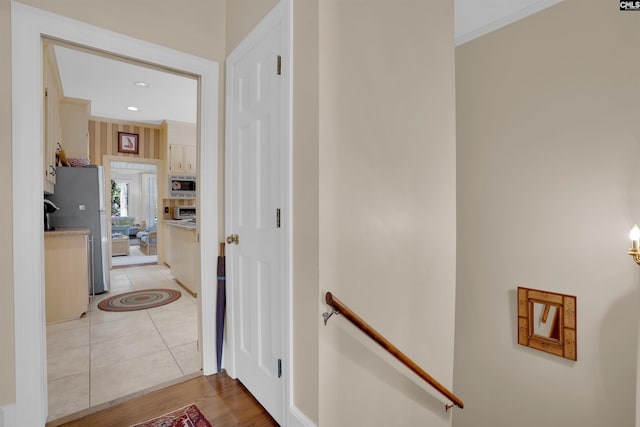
x=326 y=315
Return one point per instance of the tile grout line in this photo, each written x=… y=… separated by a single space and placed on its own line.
x=92 y=319
x=165 y=343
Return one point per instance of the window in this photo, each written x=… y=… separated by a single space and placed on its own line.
x=119 y=198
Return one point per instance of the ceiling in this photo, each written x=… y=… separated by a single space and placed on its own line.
x=110 y=84
x=475 y=18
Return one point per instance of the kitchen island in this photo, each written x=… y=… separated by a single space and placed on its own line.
x=66 y=266
x=184 y=255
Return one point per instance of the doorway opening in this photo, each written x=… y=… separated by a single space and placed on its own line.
x=134 y=213
x=103 y=356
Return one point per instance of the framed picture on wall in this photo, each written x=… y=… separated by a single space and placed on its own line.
x=127 y=143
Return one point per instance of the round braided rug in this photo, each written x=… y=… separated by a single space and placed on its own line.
x=139 y=300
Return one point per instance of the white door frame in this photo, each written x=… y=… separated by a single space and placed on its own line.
x=28 y=25
x=106 y=162
x=281 y=14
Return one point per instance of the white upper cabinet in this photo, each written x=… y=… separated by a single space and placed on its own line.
x=181 y=146
x=176 y=158
x=190 y=159
x=74 y=114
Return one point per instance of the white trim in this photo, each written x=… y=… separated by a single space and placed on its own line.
x=106 y=163
x=298 y=419
x=282 y=14
x=8 y=415
x=503 y=22
x=28 y=26
x=229 y=349
x=287 y=174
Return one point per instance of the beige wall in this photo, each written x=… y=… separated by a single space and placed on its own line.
x=387 y=206
x=197 y=29
x=242 y=17
x=7 y=354
x=305 y=208
x=548 y=149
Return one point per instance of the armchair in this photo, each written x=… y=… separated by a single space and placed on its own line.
x=149 y=240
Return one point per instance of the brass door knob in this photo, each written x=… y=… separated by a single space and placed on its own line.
x=233 y=239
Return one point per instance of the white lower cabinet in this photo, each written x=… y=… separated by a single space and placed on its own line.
x=184 y=257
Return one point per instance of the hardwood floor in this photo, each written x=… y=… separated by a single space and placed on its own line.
x=222 y=400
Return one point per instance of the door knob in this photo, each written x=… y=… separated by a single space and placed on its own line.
x=233 y=239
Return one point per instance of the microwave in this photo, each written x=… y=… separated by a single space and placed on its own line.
x=182 y=187
x=184 y=212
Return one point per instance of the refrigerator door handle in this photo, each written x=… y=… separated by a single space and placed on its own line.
x=91 y=268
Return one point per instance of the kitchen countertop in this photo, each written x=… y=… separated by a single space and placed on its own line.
x=181 y=223
x=71 y=231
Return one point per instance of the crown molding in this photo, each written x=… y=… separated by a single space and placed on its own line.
x=503 y=22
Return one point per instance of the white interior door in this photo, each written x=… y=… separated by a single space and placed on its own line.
x=254 y=199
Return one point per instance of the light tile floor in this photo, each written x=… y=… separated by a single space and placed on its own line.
x=135 y=257
x=108 y=355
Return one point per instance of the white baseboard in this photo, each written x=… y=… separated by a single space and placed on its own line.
x=8 y=415
x=297 y=418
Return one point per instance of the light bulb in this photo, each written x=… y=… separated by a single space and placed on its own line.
x=634 y=235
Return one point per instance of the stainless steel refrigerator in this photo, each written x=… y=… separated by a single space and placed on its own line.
x=79 y=193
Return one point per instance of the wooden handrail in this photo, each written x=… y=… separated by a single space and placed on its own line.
x=384 y=343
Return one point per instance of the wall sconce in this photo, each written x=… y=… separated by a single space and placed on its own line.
x=634 y=235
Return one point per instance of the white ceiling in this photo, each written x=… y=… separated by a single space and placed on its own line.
x=110 y=84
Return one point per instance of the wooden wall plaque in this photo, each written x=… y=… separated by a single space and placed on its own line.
x=547 y=322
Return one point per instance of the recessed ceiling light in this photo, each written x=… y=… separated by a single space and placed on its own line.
x=132 y=108
x=142 y=84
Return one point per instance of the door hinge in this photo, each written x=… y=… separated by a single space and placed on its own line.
x=279 y=66
x=279 y=368
x=278 y=218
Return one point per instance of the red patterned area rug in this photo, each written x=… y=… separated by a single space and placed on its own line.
x=189 y=416
x=139 y=300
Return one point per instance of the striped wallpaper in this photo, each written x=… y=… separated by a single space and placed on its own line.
x=103 y=140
